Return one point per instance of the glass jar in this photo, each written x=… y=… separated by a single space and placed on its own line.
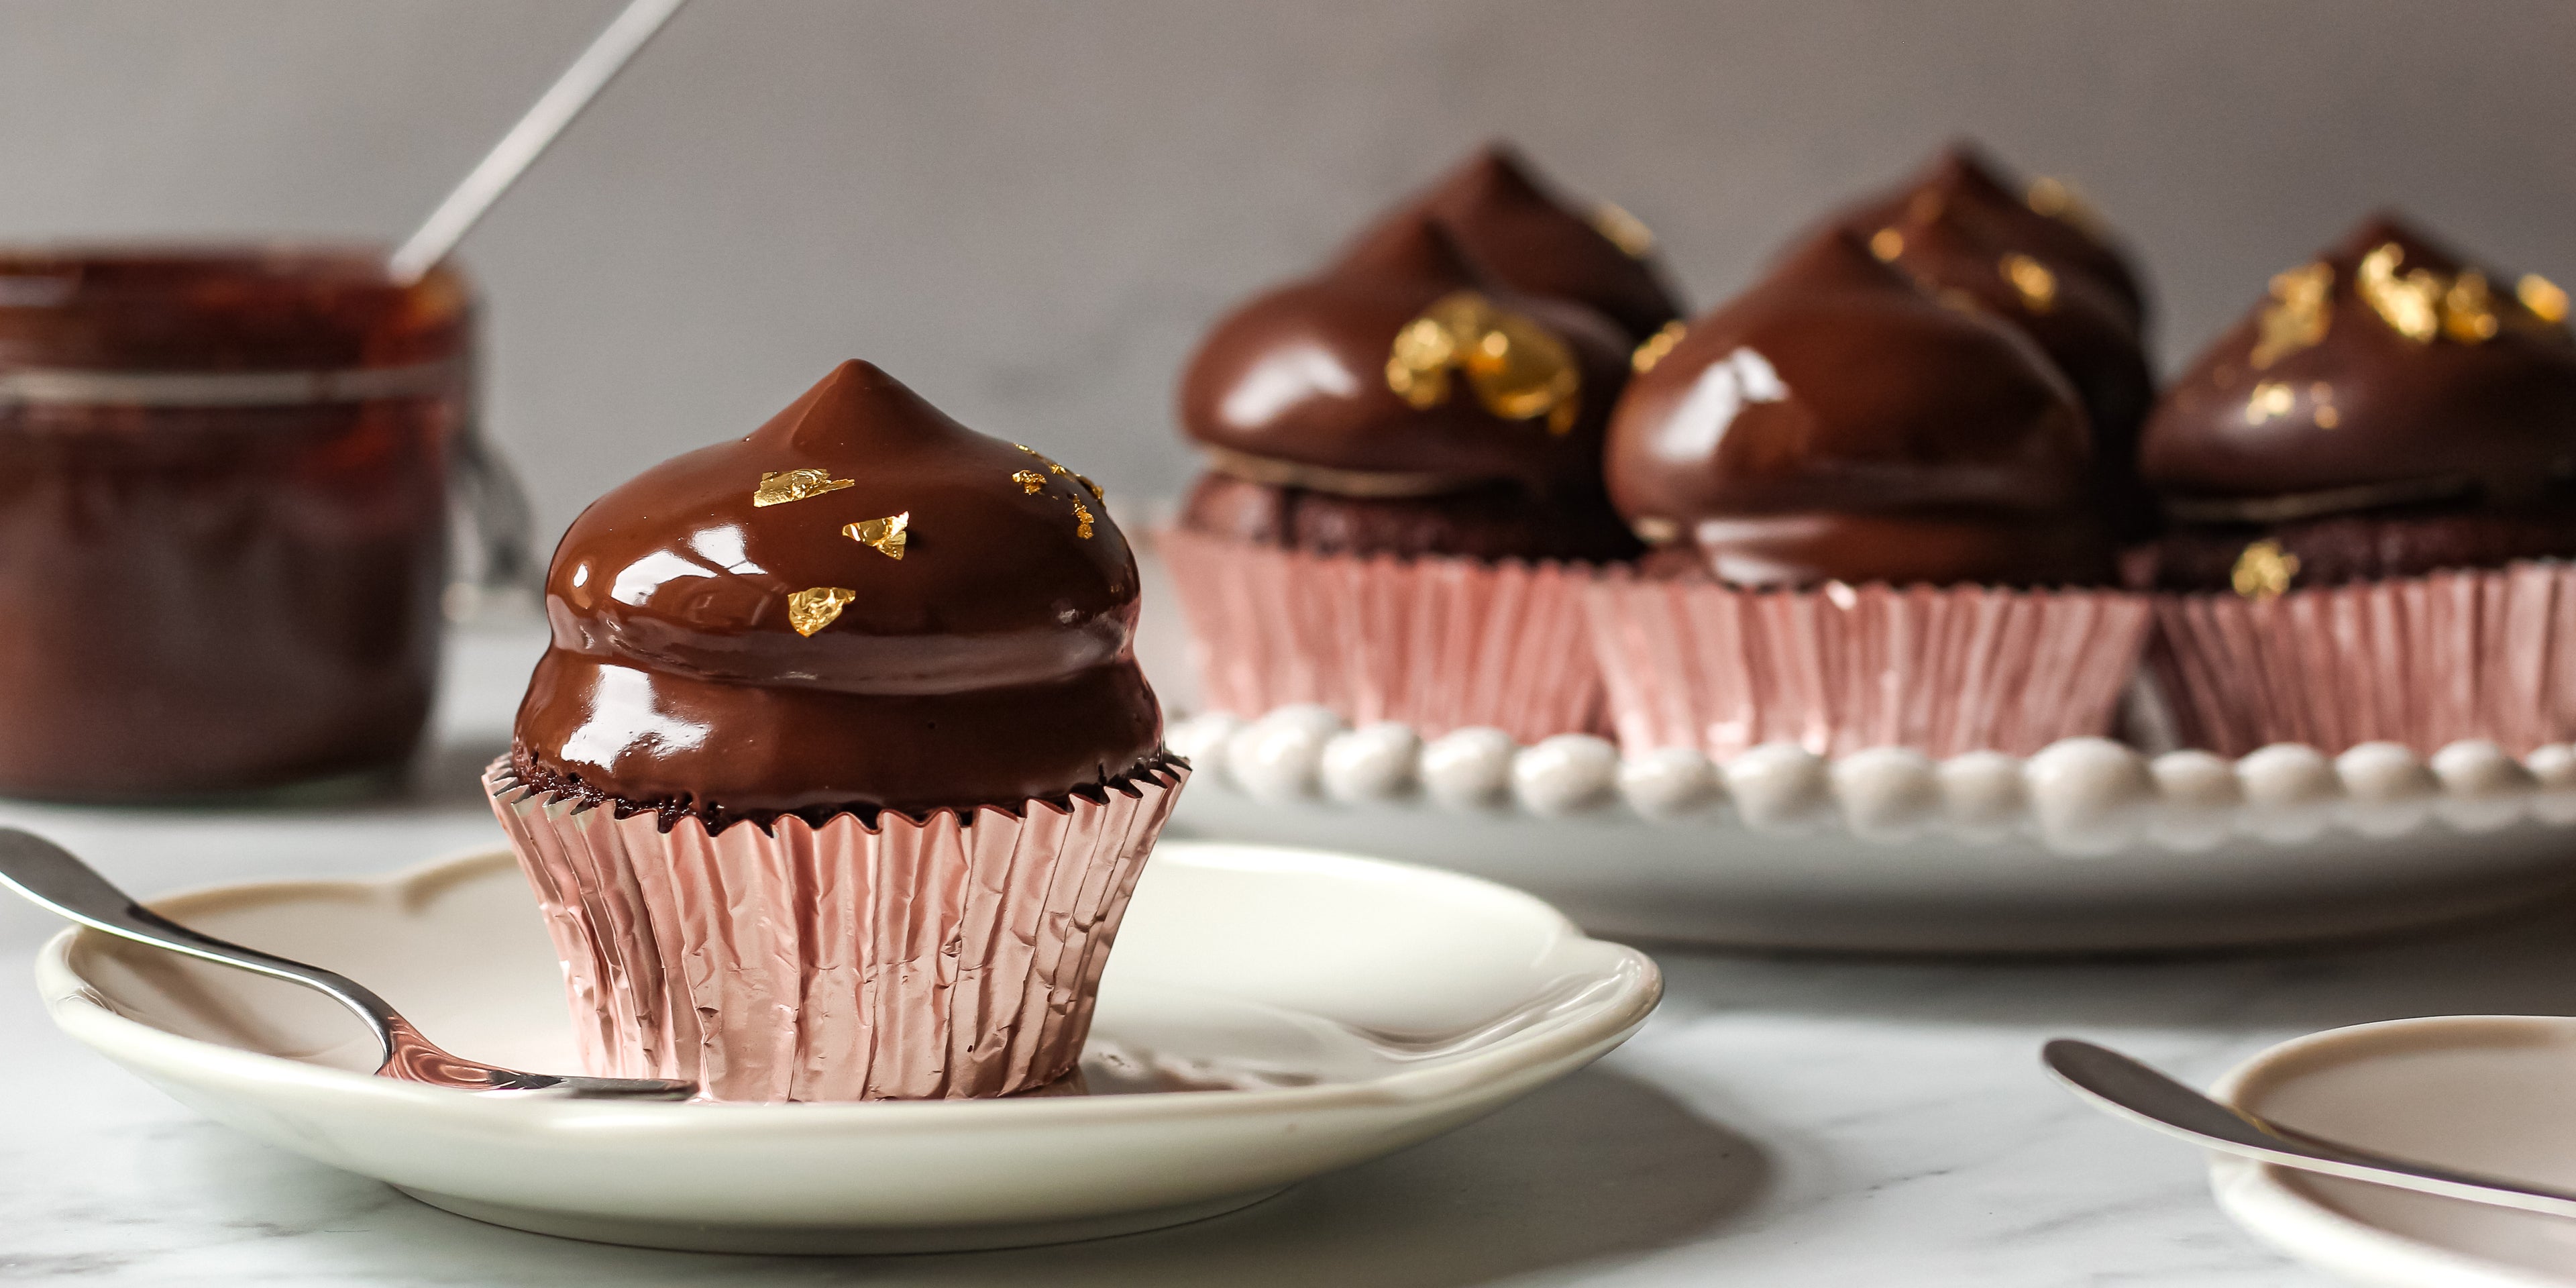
x=225 y=488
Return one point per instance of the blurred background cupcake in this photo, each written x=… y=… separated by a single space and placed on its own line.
x=2372 y=478
x=839 y=770
x=1404 y=453
x=1876 y=516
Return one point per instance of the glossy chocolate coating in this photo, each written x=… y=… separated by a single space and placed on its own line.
x=1298 y=375
x=1966 y=189
x=1836 y=422
x=1508 y=221
x=2491 y=422
x=1956 y=229
x=991 y=664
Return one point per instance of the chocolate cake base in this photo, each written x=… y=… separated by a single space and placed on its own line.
x=2365 y=546
x=1491 y=521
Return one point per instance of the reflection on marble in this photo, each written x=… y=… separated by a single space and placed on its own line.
x=1781 y=1121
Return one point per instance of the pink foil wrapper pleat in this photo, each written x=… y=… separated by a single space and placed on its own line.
x=1689 y=662
x=2425 y=661
x=1437 y=643
x=938 y=958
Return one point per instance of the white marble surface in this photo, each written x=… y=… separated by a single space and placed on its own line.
x=1780 y=1122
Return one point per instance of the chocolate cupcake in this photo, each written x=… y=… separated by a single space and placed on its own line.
x=1855 y=485
x=1401 y=447
x=2037 y=258
x=2369 y=478
x=839 y=768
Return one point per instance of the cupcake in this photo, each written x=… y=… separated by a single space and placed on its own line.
x=839 y=769
x=2033 y=255
x=1871 y=507
x=2370 y=479
x=1404 y=454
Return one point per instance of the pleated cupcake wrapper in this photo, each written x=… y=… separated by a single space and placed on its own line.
x=1694 y=663
x=913 y=959
x=1437 y=643
x=2425 y=661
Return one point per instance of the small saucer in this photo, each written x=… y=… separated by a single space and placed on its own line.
x=2486 y=1093
x=1269 y=1015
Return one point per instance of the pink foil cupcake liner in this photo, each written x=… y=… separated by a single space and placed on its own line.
x=1690 y=662
x=1437 y=643
x=915 y=959
x=2425 y=661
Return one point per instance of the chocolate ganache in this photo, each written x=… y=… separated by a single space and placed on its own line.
x=861 y=605
x=1958 y=227
x=2385 y=409
x=2044 y=220
x=1509 y=222
x=1402 y=401
x=1838 y=423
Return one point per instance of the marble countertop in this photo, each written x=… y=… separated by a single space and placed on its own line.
x=1779 y=1122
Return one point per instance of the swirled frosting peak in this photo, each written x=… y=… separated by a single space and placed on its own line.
x=2388 y=370
x=1515 y=226
x=862 y=604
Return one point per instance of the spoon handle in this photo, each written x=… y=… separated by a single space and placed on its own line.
x=546 y=118
x=2129 y=1089
x=52 y=877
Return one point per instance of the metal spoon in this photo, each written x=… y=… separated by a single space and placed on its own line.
x=599 y=64
x=52 y=878
x=2127 y=1089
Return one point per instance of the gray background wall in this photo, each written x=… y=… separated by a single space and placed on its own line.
x=1028 y=210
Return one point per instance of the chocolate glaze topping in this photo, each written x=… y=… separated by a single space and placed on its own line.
x=1967 y=189
x=1960 y=228
x=990 y=664
x=1836 y=422
x=1299 y=377
x=2388 y=372
x=1526 y=238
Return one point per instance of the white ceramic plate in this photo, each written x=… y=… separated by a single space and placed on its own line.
x=2494 y=1094
x=1347 y=1008
x=2087 y=846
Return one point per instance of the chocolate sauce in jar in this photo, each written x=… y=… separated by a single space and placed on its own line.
x=223 y=517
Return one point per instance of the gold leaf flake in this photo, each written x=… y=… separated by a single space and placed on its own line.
x=1518 y=369
x=1625 y=231
x=2037 y=285
x=812 y=609
x=2409 y=304
x=2542 y=296
x=1655 y=530
x=784 y=486
x=1082 y=520
x=1029 y=480
x=888 y=535
x=2264 y=571
x=2297 y=316
x=1887 y=244
x=1657 y=345
x=2270 y=400
x=2468 y=310
x=1091 y=487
